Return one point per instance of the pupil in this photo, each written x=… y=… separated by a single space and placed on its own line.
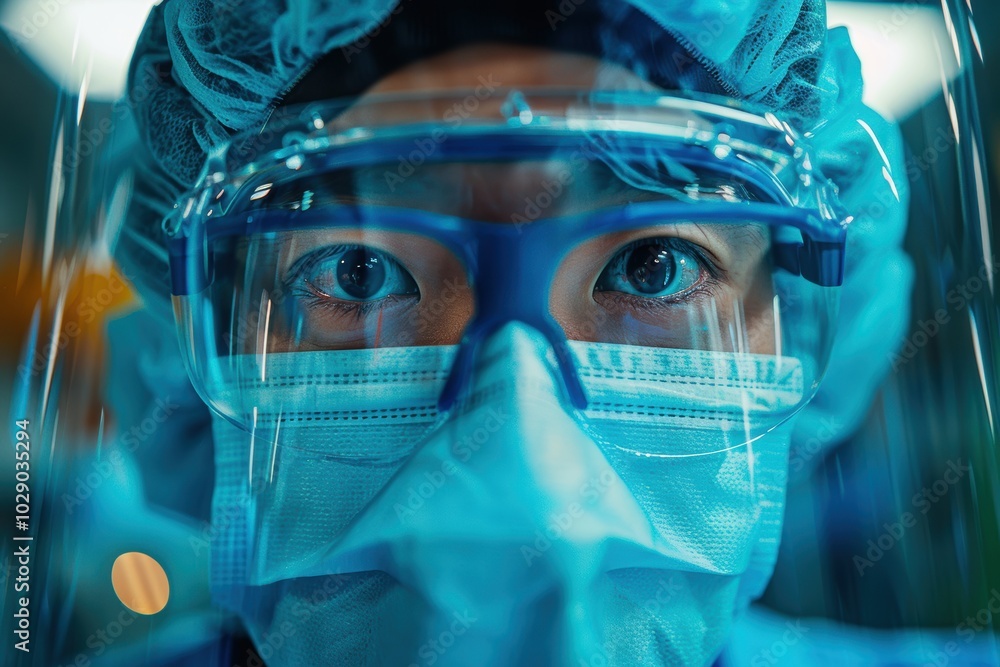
x=650 y=269
x=360 y=273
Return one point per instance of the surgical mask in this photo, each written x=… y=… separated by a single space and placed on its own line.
x=508 y=531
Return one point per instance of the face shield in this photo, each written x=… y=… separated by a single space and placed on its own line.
x=407 y=301
x=518 y=377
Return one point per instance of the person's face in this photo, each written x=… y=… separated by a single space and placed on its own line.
x=652 y=286
x=345 y=352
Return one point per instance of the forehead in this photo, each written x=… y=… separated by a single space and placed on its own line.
x=509 y=66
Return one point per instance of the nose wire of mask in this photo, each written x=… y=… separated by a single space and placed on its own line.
x=540 y=537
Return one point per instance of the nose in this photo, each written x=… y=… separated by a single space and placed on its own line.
x=514 y=278
x=506 y=518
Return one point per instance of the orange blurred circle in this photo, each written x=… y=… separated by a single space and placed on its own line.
x=140 y=583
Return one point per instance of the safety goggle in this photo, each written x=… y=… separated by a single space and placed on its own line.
x=627 y=219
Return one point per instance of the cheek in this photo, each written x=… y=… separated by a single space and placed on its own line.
x=762 y=332
x=440 y=319
x=447 y=302
x=571 y=303
x=758 y=306
x=585 y=322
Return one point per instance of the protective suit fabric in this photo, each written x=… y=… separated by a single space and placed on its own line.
x=864 y=154
x=162 y=421
x=764 y=637
x=510 y=518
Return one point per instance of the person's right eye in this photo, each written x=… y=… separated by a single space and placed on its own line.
x=350 y=276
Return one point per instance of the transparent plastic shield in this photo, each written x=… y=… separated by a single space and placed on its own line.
x=889 y=554
x=523 y=383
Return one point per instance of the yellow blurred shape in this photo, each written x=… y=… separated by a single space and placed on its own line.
x=90 y=298
x=140 y=582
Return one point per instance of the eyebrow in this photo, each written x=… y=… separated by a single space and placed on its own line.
x=754 y=235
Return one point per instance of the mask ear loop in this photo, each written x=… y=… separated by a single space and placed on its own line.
x=512 y=271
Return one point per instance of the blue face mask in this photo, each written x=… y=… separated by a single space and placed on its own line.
x=513 y=531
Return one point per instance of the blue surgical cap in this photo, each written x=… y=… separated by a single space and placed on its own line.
x=204 y=70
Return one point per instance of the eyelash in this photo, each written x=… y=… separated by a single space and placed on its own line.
x=357 y=309
x=648 y=305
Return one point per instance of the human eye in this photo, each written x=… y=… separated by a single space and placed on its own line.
x=354 y=279
x=655 y=271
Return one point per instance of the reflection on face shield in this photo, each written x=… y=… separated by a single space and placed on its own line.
x=455 y=411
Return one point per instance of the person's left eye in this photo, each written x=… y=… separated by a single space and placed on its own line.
x=651 y=269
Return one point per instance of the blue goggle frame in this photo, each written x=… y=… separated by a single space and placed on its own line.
x=507 y=264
